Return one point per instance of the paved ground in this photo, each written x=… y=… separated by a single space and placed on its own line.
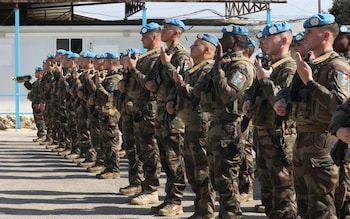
x=36 y=183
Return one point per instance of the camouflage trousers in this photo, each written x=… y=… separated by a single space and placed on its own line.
x=95 y=152
x=276 y=178
x=224 y=159
x=316 y=175
x=83 y=144
x=129 y=145
x=148 y=157
x=197 y=170
x=170 y=134
x=246 y=172
x=111 y=143
x=39 y=120
x=342 y=192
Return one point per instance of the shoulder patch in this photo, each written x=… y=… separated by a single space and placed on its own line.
x=109 y=86
x=238 y=80
x=343 y=80
x=185 y=65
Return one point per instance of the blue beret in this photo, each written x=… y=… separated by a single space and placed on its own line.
x=251 y=42
x=88 y=54
x=68 y=53
x=39 y=68
x=276 y=28
x=259 y=35
x=175 y=22
x=149 y=27
x=319 y=20
x=298 y=37
x=133 y=51
x=100 y=56
x=51 y=56
x=209 y=38
x=344 y=29
x=61 y=51
x=73 y=55
x=235 y=29
x=111 y=55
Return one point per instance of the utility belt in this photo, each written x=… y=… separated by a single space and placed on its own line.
x=312 y=128
x=265 y=131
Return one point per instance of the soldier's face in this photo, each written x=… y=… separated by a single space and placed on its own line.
x=341 y=43
x=168 y=32
x=273 y=44
x=313 y=38
x=197 y=49
x=227 y=41
x=301 y=48
x=147 y=40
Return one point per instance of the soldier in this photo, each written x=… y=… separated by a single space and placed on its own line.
x=35 y=97
x=245 y=132
x=82 y=143
x=231 y=75
x=342 y=42
x=130 y=136
x=107 y=98
x=275 y=135
x=186 y=105
x=169 y=128
x=340 y=127
x=144 y=109
x=312 y=99
x=71 y=66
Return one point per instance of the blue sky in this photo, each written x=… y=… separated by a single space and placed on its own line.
x=294 y=9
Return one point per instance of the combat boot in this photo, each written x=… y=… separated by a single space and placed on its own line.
x=130 y=190
x=78 y=160
x=87 y=164
x=39 y=139
x=72 y=156
x=64 y=153
x=96 y=169
x=51 y=146
x=145 y=198
x=155 y=209
x=171 y=210
x=259 y=208
x=108 y=175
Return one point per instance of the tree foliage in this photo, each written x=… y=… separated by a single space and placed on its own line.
x=341 y=11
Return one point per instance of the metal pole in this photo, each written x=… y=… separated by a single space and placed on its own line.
x=319 y=6
x=17 y=67
x=268 y=16
x=144 y=21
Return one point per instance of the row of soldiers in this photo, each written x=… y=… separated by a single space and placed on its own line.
x=198 y=114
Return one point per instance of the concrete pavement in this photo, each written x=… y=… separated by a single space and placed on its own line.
x=36 y=183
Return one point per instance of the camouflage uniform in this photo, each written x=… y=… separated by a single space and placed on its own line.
x=222 y=99
x=170 y=130
x=274 y=172
x=316 y=175
x=35 y=97
x=342 y=193
x=194 y=149
x=144 y=111
x=109 y=118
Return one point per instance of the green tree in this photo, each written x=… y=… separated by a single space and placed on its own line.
x=341 y=11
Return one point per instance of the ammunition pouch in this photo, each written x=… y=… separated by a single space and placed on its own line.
x=306 y=112
x=30 y=96
x=138 y=116
x=340 y=153
x=279 y=141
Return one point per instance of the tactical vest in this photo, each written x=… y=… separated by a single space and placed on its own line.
x=309 y=110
